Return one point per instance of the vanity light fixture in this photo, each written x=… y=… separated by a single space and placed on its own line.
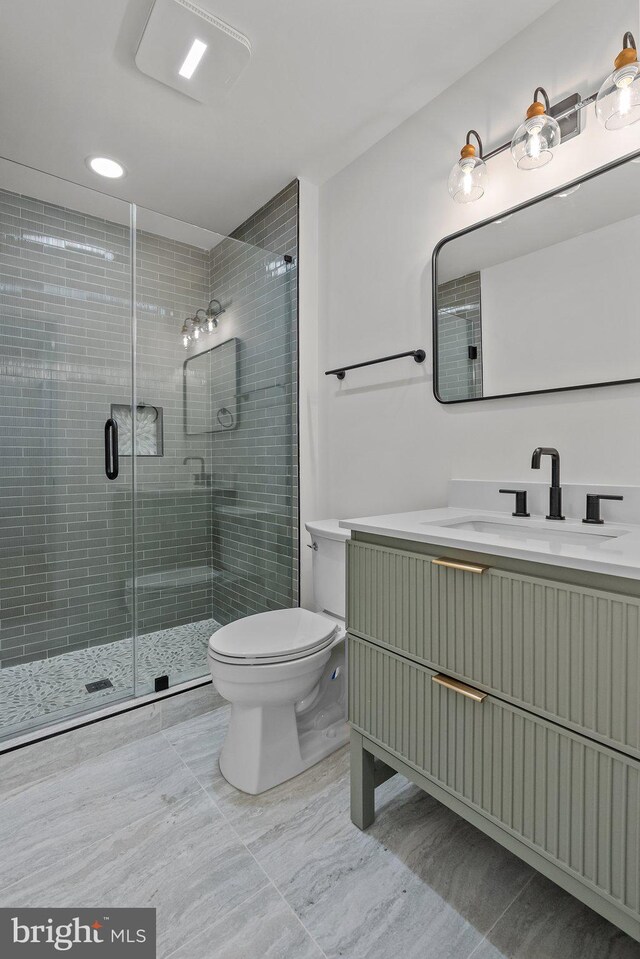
x=618 y=100
x=617 y=105
x=185 y=333
x=468 y=178
x=536 y=138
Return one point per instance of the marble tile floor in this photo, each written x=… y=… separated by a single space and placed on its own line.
x=284 y=875
x=55 y=688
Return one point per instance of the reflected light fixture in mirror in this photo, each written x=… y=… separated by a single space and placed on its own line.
x=618 y=100
x=202 y=321
x=535 y=140
x=196 y=326
x=185 y=333
x=468 y=178
x=213 y=311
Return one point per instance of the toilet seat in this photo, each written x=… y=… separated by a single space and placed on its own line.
x=278 y=636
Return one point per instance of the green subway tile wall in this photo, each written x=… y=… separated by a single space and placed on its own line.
x=219 y=549
x=459 y=326
x=255 y=525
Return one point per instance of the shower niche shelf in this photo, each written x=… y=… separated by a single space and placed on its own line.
x=149 y=441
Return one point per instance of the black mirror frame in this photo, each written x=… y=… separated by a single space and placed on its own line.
x=477 y=226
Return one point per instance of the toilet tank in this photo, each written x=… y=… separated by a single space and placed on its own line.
x=329 y=565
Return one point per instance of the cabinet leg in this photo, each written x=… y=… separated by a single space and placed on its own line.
x=362 y=783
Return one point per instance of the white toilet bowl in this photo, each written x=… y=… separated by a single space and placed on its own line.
x=284 y=673
x=277 y=669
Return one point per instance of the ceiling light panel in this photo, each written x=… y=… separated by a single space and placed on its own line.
x=192 y=59
x=187 y=48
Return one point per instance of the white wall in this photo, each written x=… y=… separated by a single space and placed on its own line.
x=563 y=315
x=385 y=443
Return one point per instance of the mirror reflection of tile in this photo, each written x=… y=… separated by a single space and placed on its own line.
x=211 y=389
x=148 y=429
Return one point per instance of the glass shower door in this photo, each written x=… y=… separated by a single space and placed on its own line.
x=216 y=481
x=173 y=486
x=66 y=550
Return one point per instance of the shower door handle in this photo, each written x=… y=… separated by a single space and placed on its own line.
x=111 y=449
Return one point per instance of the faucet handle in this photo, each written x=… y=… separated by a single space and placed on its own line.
x=593 y=507
x=521 y=501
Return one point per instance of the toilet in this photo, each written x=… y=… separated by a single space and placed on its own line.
x=284 y=673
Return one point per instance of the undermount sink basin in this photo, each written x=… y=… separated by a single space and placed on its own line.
x=516 y=531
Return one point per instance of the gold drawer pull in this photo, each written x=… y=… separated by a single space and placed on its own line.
x=459 y=687
x=466 y=567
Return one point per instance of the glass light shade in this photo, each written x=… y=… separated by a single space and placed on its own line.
x=618 y=100
x=468 y=179
x=534 y=141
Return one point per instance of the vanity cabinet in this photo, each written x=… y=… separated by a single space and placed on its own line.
x=511 y=697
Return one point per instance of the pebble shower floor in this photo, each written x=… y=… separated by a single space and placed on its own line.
x=51 y=688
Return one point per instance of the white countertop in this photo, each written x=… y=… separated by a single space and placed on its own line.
x=612 y=549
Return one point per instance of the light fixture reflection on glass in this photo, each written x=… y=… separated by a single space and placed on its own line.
x=569 y=190
x=535 y=139
x=213 y=311
x=468 y=177
x=192 y=59
x=202 y=321
x=618 y=100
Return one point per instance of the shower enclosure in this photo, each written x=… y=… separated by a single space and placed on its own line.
x=117 y=568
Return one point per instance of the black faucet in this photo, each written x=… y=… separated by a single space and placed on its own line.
x=555 y=490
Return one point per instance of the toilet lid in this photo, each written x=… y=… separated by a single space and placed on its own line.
x=278 y=635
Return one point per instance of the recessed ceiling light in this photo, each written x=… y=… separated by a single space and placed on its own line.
x=192 y=59
x=103 y=166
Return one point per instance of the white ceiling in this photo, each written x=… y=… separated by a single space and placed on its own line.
x=327 y=79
